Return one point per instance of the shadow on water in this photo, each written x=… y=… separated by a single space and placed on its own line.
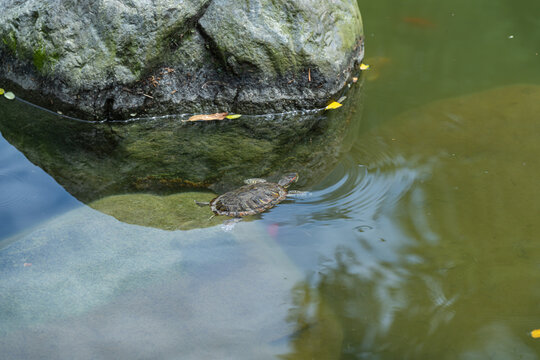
x=108 y=165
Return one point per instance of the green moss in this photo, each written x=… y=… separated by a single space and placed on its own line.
x=10 y=41
x=44 y=61
x=40 y=58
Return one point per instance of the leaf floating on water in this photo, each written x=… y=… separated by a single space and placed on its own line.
x=419 y=22
x=333 y=105
x=535 y=334
x=232 y=117
x=9 y=95
x=208 y=117
x=2 y=91
x=364 y=66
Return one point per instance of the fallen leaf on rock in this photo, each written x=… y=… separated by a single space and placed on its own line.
x=233 y=116
x=333 y=105
x=9 y=95
x=208 y=117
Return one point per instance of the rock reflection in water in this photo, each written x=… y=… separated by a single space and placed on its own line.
x=99 y=159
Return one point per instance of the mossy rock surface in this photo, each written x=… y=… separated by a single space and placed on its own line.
x=107 y=59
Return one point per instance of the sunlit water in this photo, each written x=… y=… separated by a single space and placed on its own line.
x=421 y=243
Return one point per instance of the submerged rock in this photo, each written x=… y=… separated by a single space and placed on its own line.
x=110 y=58
x=88 y=274
x=172 y=212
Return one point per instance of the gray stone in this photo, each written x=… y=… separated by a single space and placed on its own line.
x=109 y=58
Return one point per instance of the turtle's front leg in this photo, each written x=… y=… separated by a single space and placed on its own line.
x=228 y=225
x=299 y=194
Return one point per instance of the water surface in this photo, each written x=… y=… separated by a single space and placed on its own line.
x=420 y=242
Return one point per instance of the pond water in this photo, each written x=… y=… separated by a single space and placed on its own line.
x=418 y=240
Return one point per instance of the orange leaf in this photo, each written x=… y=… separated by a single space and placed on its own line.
x=535 y=333
x=208 y=117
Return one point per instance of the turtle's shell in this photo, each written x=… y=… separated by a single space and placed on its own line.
x=249 y=199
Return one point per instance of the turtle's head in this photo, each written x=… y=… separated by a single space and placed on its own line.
x=288 y=179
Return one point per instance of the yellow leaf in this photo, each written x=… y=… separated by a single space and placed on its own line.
x=535 y=333
x=205 y=117
x=232 y=117
x=1 y=91
x=364 y=66
x=9 y=95
x=332 y=105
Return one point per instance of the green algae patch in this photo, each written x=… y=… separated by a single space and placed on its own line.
x=172 y=212
x=10 y=41
x=40 y=59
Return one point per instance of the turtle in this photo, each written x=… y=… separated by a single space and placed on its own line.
x=257 y=196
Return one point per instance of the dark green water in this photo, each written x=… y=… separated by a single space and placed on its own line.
x=419 y=240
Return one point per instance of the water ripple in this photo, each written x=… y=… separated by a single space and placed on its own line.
x=360 y=192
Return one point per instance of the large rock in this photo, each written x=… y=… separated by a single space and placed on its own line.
x=110 y=58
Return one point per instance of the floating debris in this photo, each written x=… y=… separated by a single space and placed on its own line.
x=333 y=105
x=9 y=95
x=364 y=66
x=208 y=117
x=535 y=333
x=419 y=22
x=233 y=116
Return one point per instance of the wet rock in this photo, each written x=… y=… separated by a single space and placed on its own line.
x=111 y=58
